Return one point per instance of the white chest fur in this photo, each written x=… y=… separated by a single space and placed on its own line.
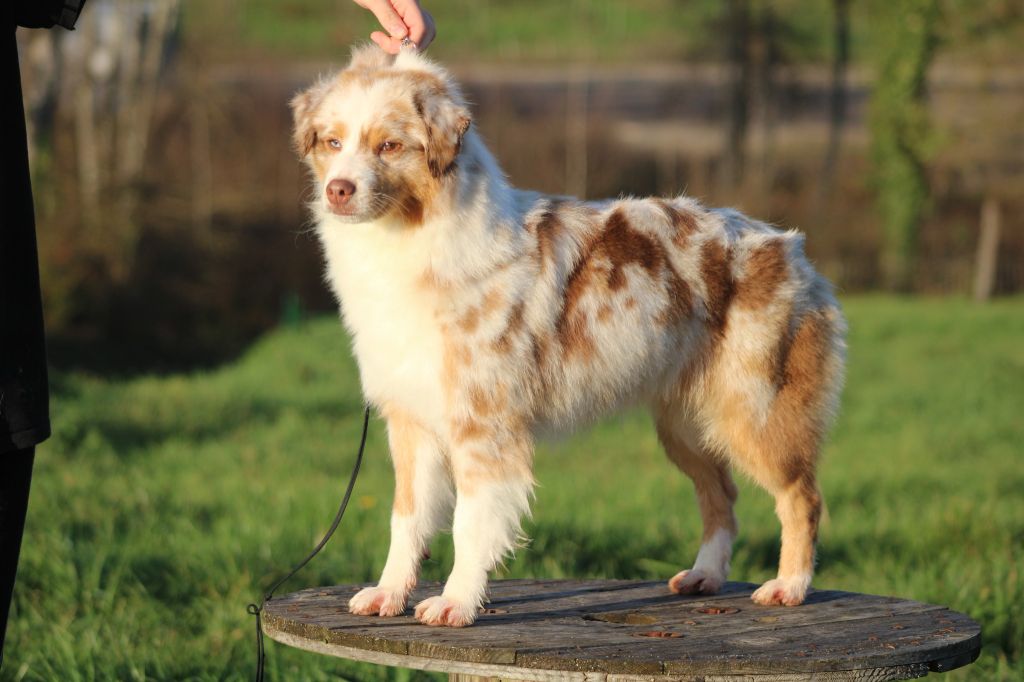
x=376 y=274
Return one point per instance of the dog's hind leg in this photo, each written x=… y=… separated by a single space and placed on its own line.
x=423 y=501
x=716 y=495
x=798 y=506
x=769 y=413
x=494 y=483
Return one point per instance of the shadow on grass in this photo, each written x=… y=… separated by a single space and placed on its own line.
x=127 y=436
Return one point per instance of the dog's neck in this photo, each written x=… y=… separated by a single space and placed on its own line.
x=477 y=226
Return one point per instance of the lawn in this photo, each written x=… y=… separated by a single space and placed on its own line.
x=163 y=505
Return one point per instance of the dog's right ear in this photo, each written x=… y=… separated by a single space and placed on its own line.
x=304 y=106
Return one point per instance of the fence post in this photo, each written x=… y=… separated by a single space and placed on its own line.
x=987 y=263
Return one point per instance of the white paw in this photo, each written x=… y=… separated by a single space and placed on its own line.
x=445 y=611
x=695 y=581
x=782 y=591
x=373 y=601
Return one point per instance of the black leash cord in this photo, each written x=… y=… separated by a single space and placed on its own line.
x=255 y=610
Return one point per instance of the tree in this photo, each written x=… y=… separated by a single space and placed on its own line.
x=837 y=95
x=901 y=135
x=737 y=22
x=100 y=83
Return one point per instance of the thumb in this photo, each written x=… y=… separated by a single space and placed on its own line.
x=387 y=16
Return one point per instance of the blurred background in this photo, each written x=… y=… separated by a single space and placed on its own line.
x=172 y=225
x=205 y=404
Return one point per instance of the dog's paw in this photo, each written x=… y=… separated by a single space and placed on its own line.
x=445 y=611
x=695 y=581
x=374 y=601
x=782 y=592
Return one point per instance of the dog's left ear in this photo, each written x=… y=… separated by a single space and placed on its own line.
x=447 y=122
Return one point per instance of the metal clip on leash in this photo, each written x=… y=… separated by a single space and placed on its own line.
x=255 y=610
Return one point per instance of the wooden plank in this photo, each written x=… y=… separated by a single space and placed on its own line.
x=468 y=671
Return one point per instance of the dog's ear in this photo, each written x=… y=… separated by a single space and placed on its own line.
x=304 y=106
x=446 y=122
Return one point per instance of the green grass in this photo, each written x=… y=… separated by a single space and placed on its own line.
x=162 y=506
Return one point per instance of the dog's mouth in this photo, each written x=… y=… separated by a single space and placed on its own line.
x=343 y=211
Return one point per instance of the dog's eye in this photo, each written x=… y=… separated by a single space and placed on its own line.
x=388 y=147
x=334 y=143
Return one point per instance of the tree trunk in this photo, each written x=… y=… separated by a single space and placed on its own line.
x=764 y=65
x=737 y=27
x=837 y=99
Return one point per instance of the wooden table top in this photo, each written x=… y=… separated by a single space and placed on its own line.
x=627 y=630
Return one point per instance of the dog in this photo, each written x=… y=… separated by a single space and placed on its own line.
x=483 y=316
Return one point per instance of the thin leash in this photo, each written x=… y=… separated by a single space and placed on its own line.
x=255 y=610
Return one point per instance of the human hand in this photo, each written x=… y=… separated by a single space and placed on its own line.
x=401 y=19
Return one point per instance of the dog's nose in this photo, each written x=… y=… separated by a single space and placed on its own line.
x=339 y=191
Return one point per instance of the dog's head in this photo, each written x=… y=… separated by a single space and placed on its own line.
x=381 y=137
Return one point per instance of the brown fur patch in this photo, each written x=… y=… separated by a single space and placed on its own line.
x=403 y=438
x=718 y=282
x=509 y=459
x=575 y=338
x=680 y=299
x=470 y=429
x=765 y=270
x=463 y=354
x=486 y=403
x=546 y=231
x=784 y=449
x=516 y=321
x=456 y=356
x=684 y=223
x=492 y=302
x=623 y=246
x=539 y=349
x=470 y=320
x=804 y=366
x=571 y=327
x=615 y=247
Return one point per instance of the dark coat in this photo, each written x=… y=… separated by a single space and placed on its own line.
x=24 y=399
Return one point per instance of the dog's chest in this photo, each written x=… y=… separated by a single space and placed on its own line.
x=391 y=315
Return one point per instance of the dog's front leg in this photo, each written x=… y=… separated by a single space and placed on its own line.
x=423 y=501
x=494 y=483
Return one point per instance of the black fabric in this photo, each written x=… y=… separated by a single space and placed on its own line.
x=45 y=13
x=15 y=478
x=24 y=398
